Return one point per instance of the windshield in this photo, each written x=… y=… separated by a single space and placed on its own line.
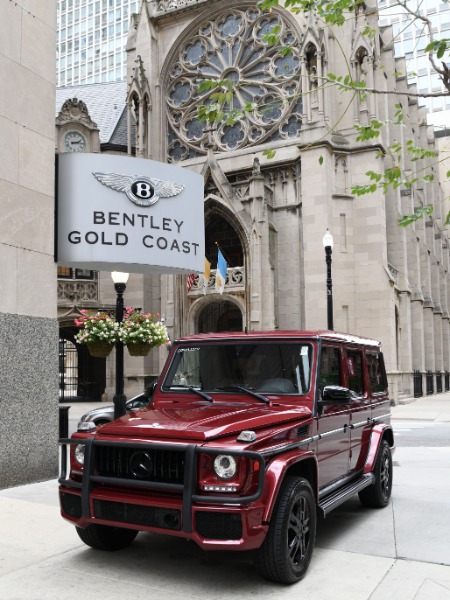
x=277 y=368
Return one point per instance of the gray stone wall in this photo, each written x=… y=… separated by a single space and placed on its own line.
x=28 y=327
x=28 y=399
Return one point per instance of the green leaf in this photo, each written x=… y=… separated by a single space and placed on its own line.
x=320 y=160
x=269 y=153
x=419 y=213
x=447 y=219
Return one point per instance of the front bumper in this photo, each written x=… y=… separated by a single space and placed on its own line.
x=213 y=522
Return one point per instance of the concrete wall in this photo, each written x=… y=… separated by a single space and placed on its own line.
x=28 y=326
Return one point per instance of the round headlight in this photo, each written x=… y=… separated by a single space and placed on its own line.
x=225 y=466
x=79 y=453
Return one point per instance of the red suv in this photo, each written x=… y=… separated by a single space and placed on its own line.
x=247 y=437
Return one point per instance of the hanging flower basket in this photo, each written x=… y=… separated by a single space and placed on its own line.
x=139 y=349
x=99 y=349
x=141 y=332
x=99 y=331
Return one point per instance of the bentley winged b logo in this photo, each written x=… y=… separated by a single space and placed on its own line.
x=142 y=190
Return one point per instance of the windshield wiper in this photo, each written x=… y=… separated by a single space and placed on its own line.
x=191 y=388
x=241 y=388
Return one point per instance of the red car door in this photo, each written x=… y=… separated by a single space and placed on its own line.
x=333 y=420
x=360 y=408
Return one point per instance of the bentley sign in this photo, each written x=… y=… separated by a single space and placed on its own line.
x=128 y=214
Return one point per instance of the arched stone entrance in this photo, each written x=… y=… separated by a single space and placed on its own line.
x=218 y=316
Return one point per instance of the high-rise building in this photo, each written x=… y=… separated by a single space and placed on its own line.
x=92 y=35
x=411 y=41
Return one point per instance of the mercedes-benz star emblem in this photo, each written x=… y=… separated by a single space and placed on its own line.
x=141 y=465
x=140 y=189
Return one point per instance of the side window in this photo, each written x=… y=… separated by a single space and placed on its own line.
x=330 y=366
x=355 y=372
x=375 y=368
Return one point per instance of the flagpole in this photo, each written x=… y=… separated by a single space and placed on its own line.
x=226 y=257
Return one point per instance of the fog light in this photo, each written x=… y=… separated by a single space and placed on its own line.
x=225 y=466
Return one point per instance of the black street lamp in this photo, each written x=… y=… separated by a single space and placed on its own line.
x=328 y=245
x=120 y=284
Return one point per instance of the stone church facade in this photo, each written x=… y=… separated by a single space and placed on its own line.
x=269 y=215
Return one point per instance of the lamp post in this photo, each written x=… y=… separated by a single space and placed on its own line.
x=120 y=283
x=328 y=245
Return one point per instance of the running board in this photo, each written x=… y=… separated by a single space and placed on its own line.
x=336 y=498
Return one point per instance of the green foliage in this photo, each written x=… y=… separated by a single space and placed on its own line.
x=440 y=47
x=272 y=36
x=269 y=153
x=419 y=213
x=399 y=115
x=368 y=132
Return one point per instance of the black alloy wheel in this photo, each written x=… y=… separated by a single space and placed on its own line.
x=378 y=494
x=286 y=552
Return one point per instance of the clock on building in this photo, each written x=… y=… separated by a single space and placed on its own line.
x=74 y=141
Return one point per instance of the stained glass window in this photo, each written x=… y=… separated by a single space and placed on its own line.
x=233 y=47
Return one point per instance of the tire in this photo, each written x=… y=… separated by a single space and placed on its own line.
x=286 y=552
x=104 y=537
x=378 y=494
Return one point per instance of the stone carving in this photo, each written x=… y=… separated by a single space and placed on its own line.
x=234 y=282
x=77 y=291
x=74 y=110
x=232 y=47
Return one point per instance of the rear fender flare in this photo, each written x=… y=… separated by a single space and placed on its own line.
x=276 y=472
x=379 y=432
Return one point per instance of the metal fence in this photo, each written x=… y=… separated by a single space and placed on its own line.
x=418 y=384
x=68 y=370
x=438 y=383
x=430 y=385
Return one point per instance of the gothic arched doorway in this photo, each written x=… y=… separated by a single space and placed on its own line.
x=220 y=316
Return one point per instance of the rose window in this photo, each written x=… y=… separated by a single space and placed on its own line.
x=232 y=47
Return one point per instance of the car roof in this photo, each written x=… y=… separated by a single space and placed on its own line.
x=241 y=336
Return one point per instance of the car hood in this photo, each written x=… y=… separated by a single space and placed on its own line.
x=204 y=422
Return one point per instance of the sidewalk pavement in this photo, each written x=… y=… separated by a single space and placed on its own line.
x=401 y=552
x=429 y=408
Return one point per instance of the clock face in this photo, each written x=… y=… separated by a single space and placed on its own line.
x=75 y=142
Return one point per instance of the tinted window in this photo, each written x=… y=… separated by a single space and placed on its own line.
x=330 y=367
x=375 y=369
x=355 y=372
x=276 y=368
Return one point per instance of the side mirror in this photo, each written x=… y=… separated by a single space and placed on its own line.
x=335 y=394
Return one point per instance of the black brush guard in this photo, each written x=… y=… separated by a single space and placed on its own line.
x=186 y=489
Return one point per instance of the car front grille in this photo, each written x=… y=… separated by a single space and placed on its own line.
x=144 y=464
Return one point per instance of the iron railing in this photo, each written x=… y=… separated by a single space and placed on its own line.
x=438 y=383
x=418 y=384
x=430 y=385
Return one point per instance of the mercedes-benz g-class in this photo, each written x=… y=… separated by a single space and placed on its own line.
x=247 y=437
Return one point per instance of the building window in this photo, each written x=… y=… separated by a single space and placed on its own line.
x=226 y=49
x=69 y=273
